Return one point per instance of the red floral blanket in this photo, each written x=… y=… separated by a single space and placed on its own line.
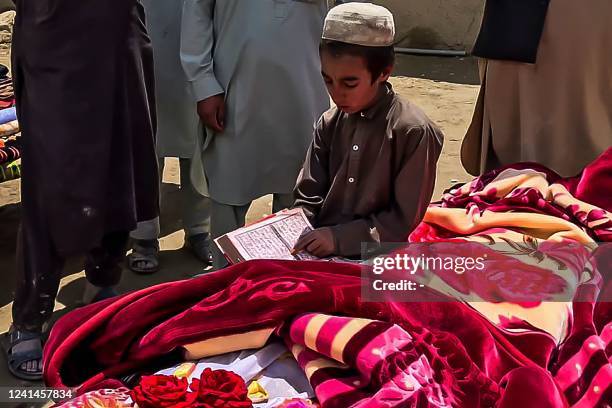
x=442 y=352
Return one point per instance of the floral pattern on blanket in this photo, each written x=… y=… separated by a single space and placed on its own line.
x=459 y=352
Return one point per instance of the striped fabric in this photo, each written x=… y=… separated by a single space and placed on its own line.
x=10 y=149
x=7 y=95
x=366 y=363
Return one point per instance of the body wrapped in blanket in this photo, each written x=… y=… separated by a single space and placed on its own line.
x=387 y=354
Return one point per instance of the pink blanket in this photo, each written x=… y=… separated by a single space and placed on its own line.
x=388 y=354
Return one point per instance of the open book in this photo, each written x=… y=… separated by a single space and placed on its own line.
x=271 y=238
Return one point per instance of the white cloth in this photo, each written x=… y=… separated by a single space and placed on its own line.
x=273 y=365
x=178 y=126
x=263 y=55
x=363 y=24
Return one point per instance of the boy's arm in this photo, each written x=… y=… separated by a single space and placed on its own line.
x=197 y=43
x=313 y=182
x=413 y=189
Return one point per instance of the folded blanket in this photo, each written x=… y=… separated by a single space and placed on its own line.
x=7 y=96
x=10 y=171
x=6 y=87
x=9 y=128
x=442 y=351
x=10 y=148
x=8 y=115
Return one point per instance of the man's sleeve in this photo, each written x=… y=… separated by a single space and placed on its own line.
x=413 y=188
x=197 y=44
x=313 y=182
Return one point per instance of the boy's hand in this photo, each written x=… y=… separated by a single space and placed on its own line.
x=212 y=112
x=319 y=242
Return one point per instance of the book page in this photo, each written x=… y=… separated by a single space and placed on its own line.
x=273 y=238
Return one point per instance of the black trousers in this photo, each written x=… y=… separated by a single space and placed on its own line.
x=39 y=270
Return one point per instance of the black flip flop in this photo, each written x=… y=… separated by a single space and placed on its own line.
x=16 y=359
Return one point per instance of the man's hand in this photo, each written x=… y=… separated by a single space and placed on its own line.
x=319 y=242
x=212 y=112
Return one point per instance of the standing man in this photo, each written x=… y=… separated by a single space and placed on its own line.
x=256 y=77
x=178 y=134
x=546 y=93
x=83 y=74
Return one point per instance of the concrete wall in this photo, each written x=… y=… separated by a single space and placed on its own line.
x=6 y=5
x=443 y=24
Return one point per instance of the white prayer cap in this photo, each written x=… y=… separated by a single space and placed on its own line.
x=360 y=23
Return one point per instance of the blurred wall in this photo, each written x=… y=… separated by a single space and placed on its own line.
x=442 y=24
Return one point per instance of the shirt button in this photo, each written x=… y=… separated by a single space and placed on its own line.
x=355 y=147
x=351 y=180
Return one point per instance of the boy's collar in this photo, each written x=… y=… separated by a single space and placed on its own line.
x=385 y=94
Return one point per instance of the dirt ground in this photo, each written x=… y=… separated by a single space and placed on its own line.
x=445 y=88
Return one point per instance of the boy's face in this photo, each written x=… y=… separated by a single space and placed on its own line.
x=349 y=82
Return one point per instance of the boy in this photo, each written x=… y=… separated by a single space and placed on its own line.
x=370 y=171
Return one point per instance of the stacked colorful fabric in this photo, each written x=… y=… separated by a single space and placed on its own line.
x=10 y=145
x=7 y=96
x=10 y=171
x=10 y=148
x=10 y=158
x=443 y=351
x=9 y=128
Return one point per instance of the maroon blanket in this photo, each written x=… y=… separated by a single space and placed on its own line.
x=480 y=362
x=115 y=337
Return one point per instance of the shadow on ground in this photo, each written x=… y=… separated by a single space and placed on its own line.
x=171 y=222
x=179 y=264
x=458 y=70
